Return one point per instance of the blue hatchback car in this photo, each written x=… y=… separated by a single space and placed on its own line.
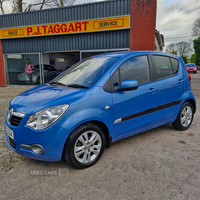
x=98 y=101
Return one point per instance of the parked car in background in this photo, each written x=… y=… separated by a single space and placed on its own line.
x=49 y=73
x=98 y=101
x=191 y=67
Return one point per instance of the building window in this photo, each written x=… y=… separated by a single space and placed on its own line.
x=61 y=60
x=23 y=69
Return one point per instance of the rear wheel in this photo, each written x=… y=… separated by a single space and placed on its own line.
x=85 y=146
x=185 y=117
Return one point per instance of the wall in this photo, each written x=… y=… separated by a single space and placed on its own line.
x=70 y=59
x=141 y=35
x=2 y=69
x=143 y=25
x=45 y=58
x=69 y=42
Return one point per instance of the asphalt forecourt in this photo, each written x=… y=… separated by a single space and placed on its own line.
x=162 y=163
x=8 y=158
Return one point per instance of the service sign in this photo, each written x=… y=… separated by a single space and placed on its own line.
x=104 y=24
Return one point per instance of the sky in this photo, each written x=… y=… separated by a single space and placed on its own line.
x=175 y=18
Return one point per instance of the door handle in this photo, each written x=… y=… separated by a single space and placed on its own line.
x=152 y=90
x=180 y=81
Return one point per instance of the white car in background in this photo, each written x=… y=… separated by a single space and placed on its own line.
x=50 y=73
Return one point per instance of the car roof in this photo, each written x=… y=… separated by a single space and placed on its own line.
x=127 y=53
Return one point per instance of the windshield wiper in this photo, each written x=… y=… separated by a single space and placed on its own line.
x=56 y=83
x=77 y=86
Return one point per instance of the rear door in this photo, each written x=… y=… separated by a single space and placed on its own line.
x=170 y=87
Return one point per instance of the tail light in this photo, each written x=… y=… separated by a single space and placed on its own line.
x=189 y=77
x=188 y=74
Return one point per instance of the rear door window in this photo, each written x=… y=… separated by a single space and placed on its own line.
x=163 y=66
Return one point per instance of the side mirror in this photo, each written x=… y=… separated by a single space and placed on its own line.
x=128 y=85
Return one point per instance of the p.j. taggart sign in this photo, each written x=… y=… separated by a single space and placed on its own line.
x=94 y=25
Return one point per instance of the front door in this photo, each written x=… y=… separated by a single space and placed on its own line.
x=134 y=110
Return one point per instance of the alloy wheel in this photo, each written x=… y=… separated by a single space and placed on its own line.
x=87 y=147
x=186 y=116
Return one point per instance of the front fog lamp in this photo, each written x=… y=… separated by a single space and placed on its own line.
x=45 y=118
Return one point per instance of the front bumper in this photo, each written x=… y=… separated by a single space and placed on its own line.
x=51 y=139
x=192 y=70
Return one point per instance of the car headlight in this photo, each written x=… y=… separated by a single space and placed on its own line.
x=45 y=118
x=8 y=113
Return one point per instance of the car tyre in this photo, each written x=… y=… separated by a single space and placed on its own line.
x=185 y=117
x=84 y=146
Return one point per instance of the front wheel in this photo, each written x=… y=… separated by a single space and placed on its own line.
x=185 y=117
x=84 y=146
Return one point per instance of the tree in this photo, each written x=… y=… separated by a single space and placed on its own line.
x=1 y=6
x=25 y=6
x=197 y=51
x=185 y=59
x=17 y=5
x=192 y=59
x=62 y=3
x=183 y=48
x=172 y=48
x=196 y=28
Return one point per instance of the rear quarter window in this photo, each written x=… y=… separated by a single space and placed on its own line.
x=175 y=65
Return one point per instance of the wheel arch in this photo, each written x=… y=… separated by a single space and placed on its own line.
x=193 y=103
x=104 y=129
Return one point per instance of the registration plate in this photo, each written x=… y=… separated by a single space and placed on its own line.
x=9 y=132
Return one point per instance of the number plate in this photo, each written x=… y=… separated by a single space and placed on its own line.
x=9 y=133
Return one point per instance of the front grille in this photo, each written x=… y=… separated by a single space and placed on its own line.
x=15 y=121
x=14 y=118
x=12 y=142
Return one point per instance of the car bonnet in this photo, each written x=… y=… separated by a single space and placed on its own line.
x=44 y=96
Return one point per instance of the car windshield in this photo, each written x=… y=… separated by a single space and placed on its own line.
x=86 y=73
x=190 y=65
